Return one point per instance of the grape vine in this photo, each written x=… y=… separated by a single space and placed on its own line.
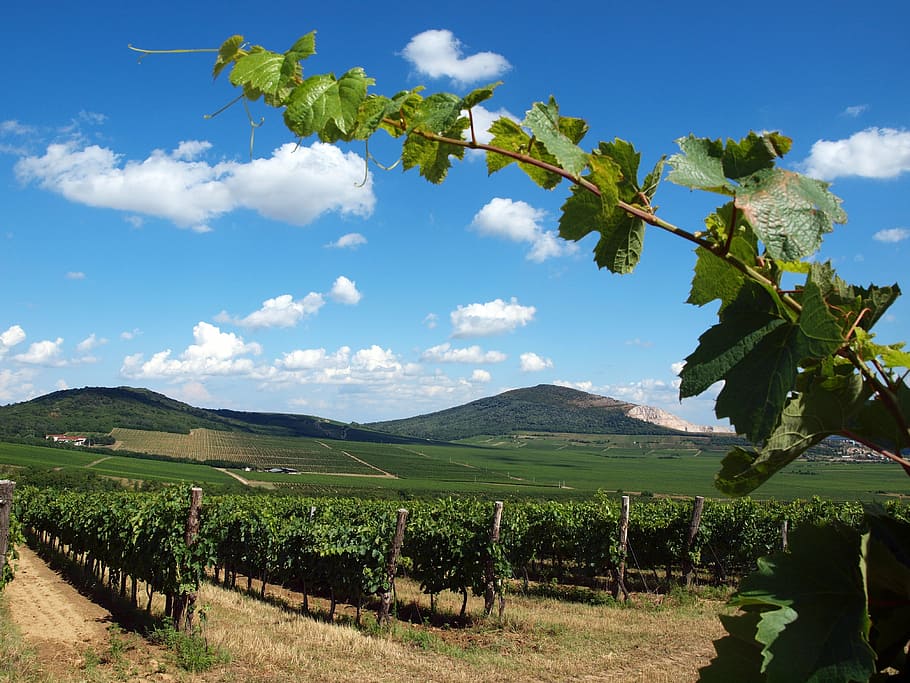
x=798 y=364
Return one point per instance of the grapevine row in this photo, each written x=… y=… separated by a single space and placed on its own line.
x=340 y=547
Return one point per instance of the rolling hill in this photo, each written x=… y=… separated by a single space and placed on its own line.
x=545 y=408
x=98 y=410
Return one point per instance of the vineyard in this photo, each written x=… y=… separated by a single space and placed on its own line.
x=304 y=455
x=345 y=548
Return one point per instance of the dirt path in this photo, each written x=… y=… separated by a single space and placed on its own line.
x=73 y=638
x=53 y=616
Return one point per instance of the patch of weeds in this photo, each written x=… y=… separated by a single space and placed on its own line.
x=191 y=650
x=568 y=593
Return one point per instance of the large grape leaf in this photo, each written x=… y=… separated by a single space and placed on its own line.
x=548 y=127
x=700 y=166
x=430 y=156
x=326 y=106
x=825 y=407
x=812 y=623
x=888 y=581
x=789 y=212
x=753 y=153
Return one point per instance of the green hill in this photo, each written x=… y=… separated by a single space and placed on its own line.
x=544 y=408
x=97 y=410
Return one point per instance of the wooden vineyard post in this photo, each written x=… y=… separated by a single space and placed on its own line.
x=785 y=535
x=185 y=603
x=688 y=566
x=620 y=583
x=490 y=572
x=391 y=567
x=6 y=504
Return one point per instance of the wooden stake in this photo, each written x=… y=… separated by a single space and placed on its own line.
x=184 y=606
x=391 y=567
x=620 y=583
x=6 y=504
x=490 y=574
x=688 y=566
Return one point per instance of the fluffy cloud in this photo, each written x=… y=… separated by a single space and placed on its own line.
x=90 y=343
x=492 y=317
x=520 y=222
x=11 y=337
x=531 y=362
x=871 y=153
x=438 y=54
x=372 y=365
x=295 y=185
x=344 y=291
x=444 y=353
x=352 y=240
x=481 y=376
x=47 y=353
x=75 y=275
x=280 y=311
x=892 y=235
x=16 y=385
x=214 y=353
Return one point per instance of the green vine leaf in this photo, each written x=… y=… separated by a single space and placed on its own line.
x=430 y=156
x=700 y=166
x=753 y=153
x=789 y=212
x=475 y=97
x=811 y=605
x=227 y=53
x=326 y=106
x=560 y=136
x=831 y=401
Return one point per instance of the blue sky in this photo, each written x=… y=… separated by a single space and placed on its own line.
x=143 y=246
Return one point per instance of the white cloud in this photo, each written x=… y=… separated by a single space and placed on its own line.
x=677 y=368
x=492 y=317
x=352 y=240
x=89 y=343
x=643 y=343
x=13 y=127
x=11 y=337
x=892 y=235
x=855 y=110
x=431 y=320
x=75 y=275
x=47 y=353
x=344 y=291
x=280 y=311
x=581 y=386
x=871 y=153
x=214 y=353
x=129 y=335
x=295 y=185
x=520 y=222
x=372 y=365
x=444 y=353
x=16 y=385
x=531 y=362
x=438 y=54
x=481 y=376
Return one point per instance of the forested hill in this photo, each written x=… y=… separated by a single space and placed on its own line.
x=545 y=408
x=97 y=410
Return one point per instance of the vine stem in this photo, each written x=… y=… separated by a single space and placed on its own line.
x=719 y=250
x=903 y=462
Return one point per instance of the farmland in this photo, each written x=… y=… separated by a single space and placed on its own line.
x=557 y=466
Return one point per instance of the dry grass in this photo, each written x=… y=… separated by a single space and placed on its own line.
x=537 y=640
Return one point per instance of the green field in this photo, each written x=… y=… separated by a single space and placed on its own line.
x=525 y=466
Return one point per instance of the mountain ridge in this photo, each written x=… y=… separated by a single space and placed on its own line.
x=545 y=407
